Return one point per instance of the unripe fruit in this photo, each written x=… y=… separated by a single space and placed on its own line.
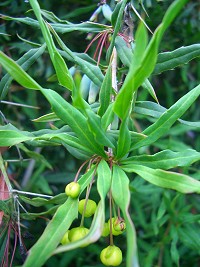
x=65 y=239
x=106 y=230
x=118 y=226
x=77 y=233
x=111 y=256
x=89 y=209
x=73 y=189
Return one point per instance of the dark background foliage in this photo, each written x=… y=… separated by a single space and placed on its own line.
x=155 y=212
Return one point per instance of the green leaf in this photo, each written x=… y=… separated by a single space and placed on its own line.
x=63 y=74
x=74 y=119
x=173 y=59
x=93 y=72
x=116 y=19
x=124 y=140
x=176 y=181
x=57 y=227
x=94 y=124
x=47 y=118
x=66 y=139
x=123 y=51
x=53 y=233
x=136 y=76
x=93 y=235
x=105 y=92
x=39 y=201
x=107 y=117
x=165 y=159
x=11 y=138
x=104 y=179
x=163 y=124
x=155 y=110
x=141 y=40
x=189 y=235
x=121 y=196
x=25 y=62
x=18 y=73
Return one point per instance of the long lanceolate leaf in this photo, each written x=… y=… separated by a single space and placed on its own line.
x=103 y=186
x=180 y=56
x=56 y=228
x=165 y=159
x=63 y=74
x=25 y=61
x=63 y=28
x=74 y=119
x=161 y=126
x=62 y=108
x=18 y=73
x=121 y=196
x=177 y=181
x=53 y=233
x=137 y=76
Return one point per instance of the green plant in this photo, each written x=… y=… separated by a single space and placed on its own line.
x=87 y=207
x=119 y=137
x=111 y=256
x=72 y=189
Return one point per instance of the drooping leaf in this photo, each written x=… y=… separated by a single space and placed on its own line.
x=173 y=59
x=57 y=227
x=25 y=62
x=165 y=159
x=166 y=179
x=63 y=74
x=53 y=233
x=74 y=119
x=121 y=196
x=18 y=73
x=155 y=110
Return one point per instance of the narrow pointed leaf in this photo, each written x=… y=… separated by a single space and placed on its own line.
x=18 y=73
x=25 y=62
x=63 y=74
x=121 y=196
x=73 y=118
x=163 y=124
x=124 y=140
x=53 y=233
x=105 y=91
x=176 y=181
x=165 y=159
x=173 y=59
x=136 y=76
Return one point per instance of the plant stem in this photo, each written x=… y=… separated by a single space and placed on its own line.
x=110 y=210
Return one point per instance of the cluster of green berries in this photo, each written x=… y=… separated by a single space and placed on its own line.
x=111 y=255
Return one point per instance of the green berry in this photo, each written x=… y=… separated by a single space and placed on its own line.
x=106 y=230
x=73 y=189
x=119 y=224
x=77 y=233
x=114 y=231
x=111 y=256
x=65 y=239
x=90 y=207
